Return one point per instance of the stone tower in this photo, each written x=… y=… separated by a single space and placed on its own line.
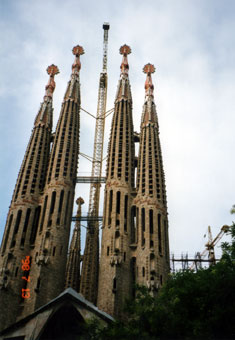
x=74 y=257
x=150 y=206
x=135 y=245
x=24 y=213
x=115 y=279
x=50 y=254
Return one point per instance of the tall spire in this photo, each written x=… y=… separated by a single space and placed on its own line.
x=52 y=70
x=74 y=257
x=115 y=279
x=49 y=262
x=24 y=212
x=123 y=89
x=152 y=253
x=73 y=89
x=124 y=50
x=149 y=111
x=148 y=69
x=77 y=51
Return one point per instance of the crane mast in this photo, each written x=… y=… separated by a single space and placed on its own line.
x=89 y=277
x=99 y=131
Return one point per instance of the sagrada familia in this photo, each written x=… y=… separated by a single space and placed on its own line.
x=40 y=277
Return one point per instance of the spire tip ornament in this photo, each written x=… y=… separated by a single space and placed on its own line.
x=149 y=69
x=77 y=51
x=52 y=70
x=124 y=50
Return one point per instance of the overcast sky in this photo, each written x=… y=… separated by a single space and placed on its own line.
x=192 y=45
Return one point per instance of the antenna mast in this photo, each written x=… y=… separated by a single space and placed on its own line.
x=89 y=278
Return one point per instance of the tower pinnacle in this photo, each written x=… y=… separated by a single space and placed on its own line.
x=52 y=70
x=124 y=50
x=148 y=69
x=74 y=257
x=77 y=51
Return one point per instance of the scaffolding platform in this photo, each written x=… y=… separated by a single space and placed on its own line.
x=90 y=179
x=87 y=218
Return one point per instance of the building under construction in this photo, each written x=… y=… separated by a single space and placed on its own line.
x=40 y=274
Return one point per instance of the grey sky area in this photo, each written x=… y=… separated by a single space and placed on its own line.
x=192 y=45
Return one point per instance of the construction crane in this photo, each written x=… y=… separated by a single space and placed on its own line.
x=211 y=244
x=99 y=131
x=89 y=277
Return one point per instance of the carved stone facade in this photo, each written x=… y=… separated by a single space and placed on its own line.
x=135 y=245
x=34 y=247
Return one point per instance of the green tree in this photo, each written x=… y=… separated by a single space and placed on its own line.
x=191 y=305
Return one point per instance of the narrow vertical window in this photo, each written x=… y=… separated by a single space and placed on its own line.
x=118 y=202
x=35 y=225
x=137 y=225
x=38 y=285
x=61 y=201
x=110 y=206
x=133 y=224
x=18 y=218
x=166 y=239
x=43 y=213
x=151 y=221
x=143 y=226
x=143 y=271
x=53 y=197
x=125 y=212
x=26 y=222
x=7 y=233
x=159 y=233
x=107 y=251
x=16 y=271
x=114 y=284
x=67 y=209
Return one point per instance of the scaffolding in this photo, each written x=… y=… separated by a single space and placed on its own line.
x=89 y=278
x=199 y=258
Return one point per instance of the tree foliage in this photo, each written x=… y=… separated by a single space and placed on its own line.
x=191 y=305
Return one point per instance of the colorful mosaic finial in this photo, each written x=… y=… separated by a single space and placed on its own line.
x=124 y=50
x=149 y=69
x=52 y=70
x=77 y=51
